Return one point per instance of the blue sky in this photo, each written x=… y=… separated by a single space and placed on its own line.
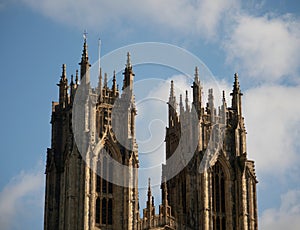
x=258 y=39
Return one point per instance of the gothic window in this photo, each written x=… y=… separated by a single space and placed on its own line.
x=104 y=190
x=104 y=211
x=107 y=211
x=107 y=187
x=104 y=181
x=98 y=210
x=98 y=183
x=218 y=197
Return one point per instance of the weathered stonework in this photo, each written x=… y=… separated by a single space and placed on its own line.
x=223 y=196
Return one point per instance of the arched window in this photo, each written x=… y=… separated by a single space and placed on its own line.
x=218 y=197
x=109 y=212
x=107 y=186
x=104 y=211
x=98 y=178
x=97 y=210
x=104 y=189
x=104 y=182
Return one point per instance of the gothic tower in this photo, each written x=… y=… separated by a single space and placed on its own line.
x=208 y=182
x=217 y=188
x=79 y=189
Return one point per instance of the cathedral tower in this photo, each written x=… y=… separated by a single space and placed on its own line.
x=217 y=188
x=79 y=189
x=208 y=182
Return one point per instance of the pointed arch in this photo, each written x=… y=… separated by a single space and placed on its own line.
x=104 y=187
x=220 y=177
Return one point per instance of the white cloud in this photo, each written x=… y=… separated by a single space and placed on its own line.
x=273 y=122
x=183 y=16
x=285 y=217
x=267 y=48
x=21 y=200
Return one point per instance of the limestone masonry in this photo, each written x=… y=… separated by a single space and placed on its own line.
x=216 y=190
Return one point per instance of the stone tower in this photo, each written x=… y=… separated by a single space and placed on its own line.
x=79 y=193
x=208 y=183
x=217 y=188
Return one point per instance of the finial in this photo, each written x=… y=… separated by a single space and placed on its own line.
x=172 y=94
x=85 y=35
x=236 y=76
x=180 y=103
x=186 y=101
x=76 y=77
x=114 y=85
x=210 y=97
x=64 y=75
x=165 y=191
x=105 y=80
x=128 y=65
x=236 y=81
x=149 y=187
x=223 y=95
x=84 y=52
x=72 y=82
x=196 y=75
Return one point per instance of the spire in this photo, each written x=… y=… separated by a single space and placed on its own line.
x=172 y=98
x=196 y=79
x=84 y=63
x=172 y=106
x=73 y=88
x=85 y=51
x=165 y=193
x=223 y=109
x=72 y=78
x=224 y=104
x=187 y=107
x=63 y=88
x=150 y=202
x=181 y=108
x=236 y=84
x=211 y=104
x=149 y=188
x=128 y=64
x=172 y=94
x=64 y=74
x=76 y=77
x=128 y=75
x=114 y=85
x=236 y=94
x=105 y=80
x=197 y=93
